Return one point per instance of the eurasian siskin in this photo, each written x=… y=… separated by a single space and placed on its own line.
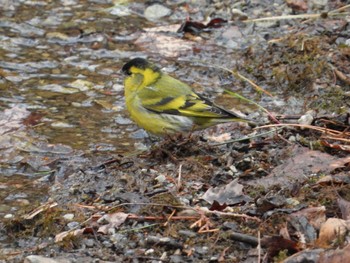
x=163 y=105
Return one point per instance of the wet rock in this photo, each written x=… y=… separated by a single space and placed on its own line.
x=58 y=88
x=60 y=124
x=156 y=11
x=120 y=10
x=122 y=121
x=11 y=197
x=41 y=259
x=82 y=85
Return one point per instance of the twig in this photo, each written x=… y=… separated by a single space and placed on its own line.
x=244 y=238
x=248 y=137
x=333 y=13
x=170 y=217
x=179 y=184
x=259 y=247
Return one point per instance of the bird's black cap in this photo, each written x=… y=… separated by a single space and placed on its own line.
x=138 y=63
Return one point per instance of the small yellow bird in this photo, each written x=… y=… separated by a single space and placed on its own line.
x=163 y=105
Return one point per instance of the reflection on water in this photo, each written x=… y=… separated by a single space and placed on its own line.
x=62 y=92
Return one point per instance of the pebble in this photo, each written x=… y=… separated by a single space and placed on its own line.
x=238 y=14
x=118 y=239
x=73 y=225
x=156 y=11
x=307 y=118
x=187 y=233
x=9 y=216
x=39 y=259
x=82 y=85
x=149 y=251
x=163 y=241
x=230 y=225
x=161 y=178
x=347 y=42
x=68 y=217
x=61 y=124
x=202 y=250
x=292 y=138
x=89 y=242
x=11 y=197
x=233 y=169
x=107 y=244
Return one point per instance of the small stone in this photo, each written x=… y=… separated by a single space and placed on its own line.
x=233 y=169
x=161 y=178
x=187 y=233
x=73 y=225
x=347 y=42
x=38 y=259
x=238 y=14
x=320 y=3
x=247 y=159
x=230 y=225
x=292 y=138
x=149 y=251
x=9 y=216
x=82 y=85
x=292 y=201
x=118 y=87
x=118 y=238
x=61 y=124
x=11 y=197
x=107 y=244
x=68 y=217
x=89 y=242
x=202 y=250
x=103 y=220
x=307 y=118
x=156 y=11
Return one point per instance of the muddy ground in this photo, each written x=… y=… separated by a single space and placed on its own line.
x=278 y=192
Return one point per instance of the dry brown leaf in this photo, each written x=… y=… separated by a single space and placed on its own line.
x=229 y=194
x=301 y=164
x=115 y=220
x=336 y=256
x=76 y=232
x=316 y=216
x=40 y=209
x=333 y=228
